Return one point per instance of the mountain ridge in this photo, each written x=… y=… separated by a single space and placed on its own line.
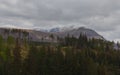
x=39 y=35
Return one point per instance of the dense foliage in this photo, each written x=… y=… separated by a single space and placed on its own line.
x=69 y=56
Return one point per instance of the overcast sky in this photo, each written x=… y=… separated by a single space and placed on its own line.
x=100 y=15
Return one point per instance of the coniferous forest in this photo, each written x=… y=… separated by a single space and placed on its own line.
x=68 y=56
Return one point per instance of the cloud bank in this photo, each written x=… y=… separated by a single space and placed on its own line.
x=100 y=15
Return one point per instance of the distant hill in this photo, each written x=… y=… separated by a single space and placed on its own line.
x=77 y=31
x=39 y=35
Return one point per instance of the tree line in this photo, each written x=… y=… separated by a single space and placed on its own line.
x=70 y=55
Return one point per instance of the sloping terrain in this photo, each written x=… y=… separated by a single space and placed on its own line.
x=35 y=35
x=76 y=32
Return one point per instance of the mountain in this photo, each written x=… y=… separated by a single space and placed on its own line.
x=77 y=31
x=39 y=35
x=55 y=30
x=31 y=35
x=59 y=29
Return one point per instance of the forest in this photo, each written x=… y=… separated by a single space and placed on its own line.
x=68 y=56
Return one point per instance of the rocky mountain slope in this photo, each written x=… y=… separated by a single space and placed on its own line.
x=35 y=35
x=77 y=31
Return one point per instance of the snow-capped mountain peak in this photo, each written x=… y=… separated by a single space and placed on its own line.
x=60 y=29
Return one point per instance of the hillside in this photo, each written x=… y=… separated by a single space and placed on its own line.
x=77 y=31
x=35 y=35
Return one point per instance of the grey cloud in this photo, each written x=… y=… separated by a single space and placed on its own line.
x=100 y=15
